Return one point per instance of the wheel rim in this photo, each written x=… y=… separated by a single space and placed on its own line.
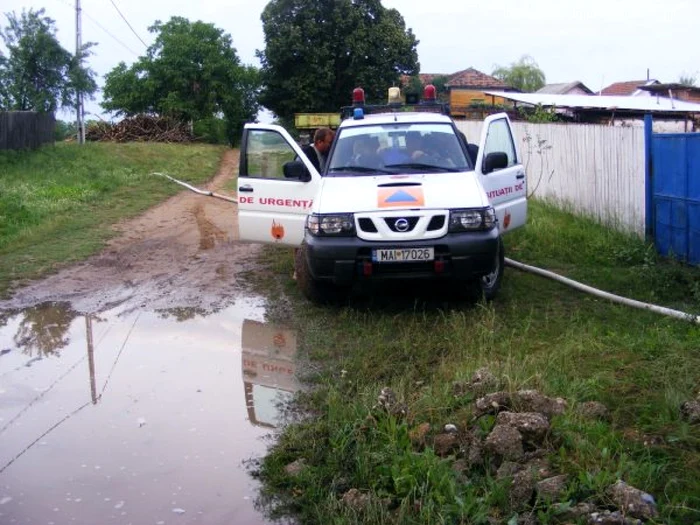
x=489 y=280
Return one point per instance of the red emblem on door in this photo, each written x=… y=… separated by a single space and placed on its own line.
x=506 y=220
x=277 y=231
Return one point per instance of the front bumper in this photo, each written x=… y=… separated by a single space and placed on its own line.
x=343 y=260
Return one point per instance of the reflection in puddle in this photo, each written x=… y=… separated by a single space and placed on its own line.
x=268 y=354
x=137 y=418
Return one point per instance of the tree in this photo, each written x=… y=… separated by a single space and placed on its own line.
x=38 y=74
x=687 y=80
x=317 y=52
x=524 y=74
x=191 y=72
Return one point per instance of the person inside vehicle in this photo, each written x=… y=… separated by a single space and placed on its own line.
x=365 y=152
x=397 y=155
x=318 y=151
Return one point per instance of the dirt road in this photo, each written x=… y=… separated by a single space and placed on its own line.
x=182 y=253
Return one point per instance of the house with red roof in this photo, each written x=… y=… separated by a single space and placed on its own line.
x=467 y=88
x=629 y=88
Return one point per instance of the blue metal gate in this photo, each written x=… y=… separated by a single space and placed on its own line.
x=675 y=194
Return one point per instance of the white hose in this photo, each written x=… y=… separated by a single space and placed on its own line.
x=605 y=295
x=197 y=190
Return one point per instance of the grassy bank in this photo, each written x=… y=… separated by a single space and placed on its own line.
x=57 y=204
x=537 y=335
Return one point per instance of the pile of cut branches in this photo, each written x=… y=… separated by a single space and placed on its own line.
x=140 y=128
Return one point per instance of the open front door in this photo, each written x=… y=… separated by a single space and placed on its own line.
x=505 y=184
x=272 y=208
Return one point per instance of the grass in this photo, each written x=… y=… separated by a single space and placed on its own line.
x=537 y=335
x=58 y=204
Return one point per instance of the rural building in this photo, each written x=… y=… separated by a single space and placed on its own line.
x=566 y=88
x=675 y=91
x=669 y=115
x=467 y=89
x=628 y=88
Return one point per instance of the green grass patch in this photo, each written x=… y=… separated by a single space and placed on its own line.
x=58 y=203
x=537 y=335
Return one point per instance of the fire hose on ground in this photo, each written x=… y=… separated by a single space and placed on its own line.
x=695 y=319
x=605 y=295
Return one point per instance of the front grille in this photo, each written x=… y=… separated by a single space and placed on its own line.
x=436 y=223
x=366 y=225
x=391 y=223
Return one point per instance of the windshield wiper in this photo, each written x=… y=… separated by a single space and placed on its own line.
x=361 y=169
x=421 y=166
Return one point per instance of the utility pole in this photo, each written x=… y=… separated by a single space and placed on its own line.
x=80 y=110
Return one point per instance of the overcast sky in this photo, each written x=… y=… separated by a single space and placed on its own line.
x=598 y=41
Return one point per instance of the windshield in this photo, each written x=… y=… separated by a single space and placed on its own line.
x=397 y=148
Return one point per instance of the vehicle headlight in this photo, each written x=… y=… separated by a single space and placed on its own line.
x=342 y=224
x=472 y=219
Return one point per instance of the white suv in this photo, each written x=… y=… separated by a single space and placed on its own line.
x=400 y=197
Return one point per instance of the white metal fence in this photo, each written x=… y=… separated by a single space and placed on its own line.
x=594 y=170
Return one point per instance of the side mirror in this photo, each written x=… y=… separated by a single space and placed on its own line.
x=295 y=169
x=496 y=160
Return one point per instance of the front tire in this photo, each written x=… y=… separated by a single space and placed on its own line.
x=488 y=285
x=319 y=292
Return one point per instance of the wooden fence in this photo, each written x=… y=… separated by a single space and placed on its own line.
x=593 y=170
x=26 y=129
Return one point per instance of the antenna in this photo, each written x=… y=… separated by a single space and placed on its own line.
x=79 y=108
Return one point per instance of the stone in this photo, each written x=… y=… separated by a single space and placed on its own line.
x=552 y=489
x=521 y=489
x=492 y=403
x=607 y=517
x=632 y=501
x=475 y=454
x=505 y=441
x=445 y=444
x=533 y=401
x=593 y=410
x=482 y=381
x=690 y=411
x=417 y=435
x=508 y=469
x=295 y=467
x=566 y=514
x=532 y=425
x=539 y=466
x=450 y=428
x=356 y=500
x=460 y=466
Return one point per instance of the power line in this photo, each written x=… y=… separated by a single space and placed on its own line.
x=127 y=23
x=103 y=29
x=110 y=34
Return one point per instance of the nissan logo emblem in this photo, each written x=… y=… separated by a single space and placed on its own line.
x=401 y=225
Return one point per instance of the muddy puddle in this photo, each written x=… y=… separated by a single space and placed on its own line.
x=140 y=417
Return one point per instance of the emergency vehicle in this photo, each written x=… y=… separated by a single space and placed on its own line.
x=402 y=195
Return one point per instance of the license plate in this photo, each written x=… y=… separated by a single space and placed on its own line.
x=394 y=255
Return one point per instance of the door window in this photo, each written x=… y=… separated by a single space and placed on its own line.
x=499 y=138
x=266 y=153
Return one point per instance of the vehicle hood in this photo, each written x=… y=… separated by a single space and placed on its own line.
x=430 y=191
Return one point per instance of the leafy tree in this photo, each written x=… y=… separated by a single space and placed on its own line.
x=318 y=51
x=191 y=72
x=38 y=74
x=524 y=74
x=64 y=130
